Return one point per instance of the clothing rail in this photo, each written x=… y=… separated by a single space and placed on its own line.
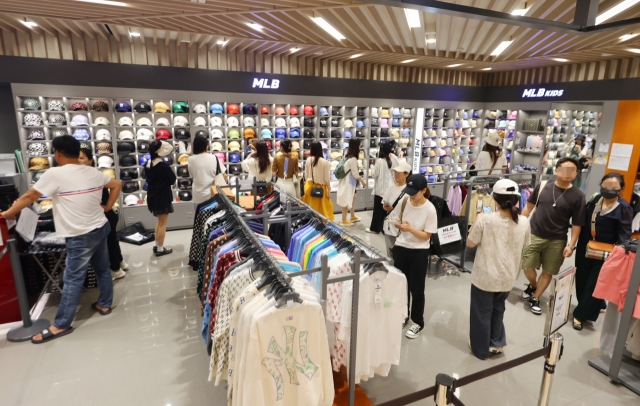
x=448 y=182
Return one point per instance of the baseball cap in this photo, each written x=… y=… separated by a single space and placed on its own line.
x=216 y=108
x=281 y=133
x=233 y=109
x=110 y=172
x=101 y=121
x=249 y=109
x=162 y=121
x=492 y=138
x=123 y=107
x=142 y=160
x=264 y=110
x=104 y=148
x=216 y=146
x=323 y=111
x=167 y=159
x=234 y=146
x=144 y=121
x=163 y=134
x=81 y=134
x=125 y=135
x=294 y=133
x=249 y=133
x=78 y=106
x=348 y=123
x=125 y=121
x=216 y=121
x=233 y=134
x=182 y=134
x=216 y=133
x=280 y=111
x=415 y=183
x=295 y=145
x=249 y=122
x=131 y=200
x=199 y=122
x=220 y=156
x=128 y=174
x=142 y=107
x=143 y=146
x=308 y=134
x=79 y=119
x=180 y=107
x=235 y=170
x=266 y=133
x=183 y=159
x=506 y=187
x=185 y=195
x=199 y=109
x=103 y=134
x=105 y=162
x=402 y=166
x=234 y=157
x=232 y=122
x=183 y=171
x=308 y=110
x=161 y=107
x=294 y=122
x=280 y=122
x=144 y=134
x=293 y=110
x=126 y=147
x=180 y=121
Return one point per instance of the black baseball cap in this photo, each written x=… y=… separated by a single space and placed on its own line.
x=307 y=144
x=415 y=183
x=335 y=145
x=128 y=174
x=235 y=169
x=335 y=134
x=168 y=159
x=184 y=183
x=126 y=147
x=186 y=196
x=308 y=134
x=183 y=171
x=374 y=133
x=128 y=160
x=321 y=134
x=182 y=134
x=142 y=107
x=202 y=133
x=143 y=146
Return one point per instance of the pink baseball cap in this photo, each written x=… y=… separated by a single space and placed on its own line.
x=220 y=156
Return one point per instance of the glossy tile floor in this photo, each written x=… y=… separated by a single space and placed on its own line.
x=149 y=350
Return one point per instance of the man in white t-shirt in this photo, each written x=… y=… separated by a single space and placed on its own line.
x=203 y=168
x=76 y=192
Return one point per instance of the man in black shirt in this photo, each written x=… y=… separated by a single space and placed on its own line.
x=558 y=206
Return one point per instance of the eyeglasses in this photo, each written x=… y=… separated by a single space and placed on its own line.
x=566 y=170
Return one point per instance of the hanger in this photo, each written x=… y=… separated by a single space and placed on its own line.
x=377 y=267
x=285 y=298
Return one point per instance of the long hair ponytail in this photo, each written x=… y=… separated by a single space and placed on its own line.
x=508 y=202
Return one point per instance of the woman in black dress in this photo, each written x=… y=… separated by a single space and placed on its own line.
x=160 y=178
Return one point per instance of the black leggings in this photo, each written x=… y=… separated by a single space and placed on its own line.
x=378 y=216
x=115 y=255
x=413 y=264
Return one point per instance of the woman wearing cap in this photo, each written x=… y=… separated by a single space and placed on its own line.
x=259 y=163
x=392 y=196
x=347 y=185
x=507 y=233
x=382 y=176
x=317 y=174
x=116 y=261
x=285 y=168
x=492 y=158
x=416 y=219
x=160 y=178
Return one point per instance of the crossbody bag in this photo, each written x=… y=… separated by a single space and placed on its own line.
x=598 y=250
x=389 y=228
x=542 y=185
x=315 y=190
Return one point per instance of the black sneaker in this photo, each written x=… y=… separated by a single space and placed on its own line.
x=534 y=303
x=165 y=251
x=528 y=292
x=155 y=249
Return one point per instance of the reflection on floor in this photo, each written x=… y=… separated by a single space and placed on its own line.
x=149 y=351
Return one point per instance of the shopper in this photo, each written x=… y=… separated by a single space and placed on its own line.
x=259 y=163
x=390 y=200
x=285 y=169
x=416 y=218
x=204 y=168
x=586 y=159
x=76 y=192
x=492 y=159
x=608 y=220
x=318 y=176
x=116 y=260
x=504 y=232
x=347 y=185
x=558 y=206
x=574 y=149
x=160 y=178
x=383 y=178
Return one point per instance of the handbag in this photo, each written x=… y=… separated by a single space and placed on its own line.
x=598 y=250
x=389 y=228
x=315 y=190
x=219 y=179
x=542 y=185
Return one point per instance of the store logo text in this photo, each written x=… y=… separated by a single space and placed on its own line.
x=542 y=92
x=264 y=83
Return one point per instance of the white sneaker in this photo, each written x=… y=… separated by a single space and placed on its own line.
x=124 y=266
x=414 y=331
x=119 y=274
x=496 y=350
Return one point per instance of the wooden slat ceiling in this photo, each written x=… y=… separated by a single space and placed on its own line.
x=380 y=34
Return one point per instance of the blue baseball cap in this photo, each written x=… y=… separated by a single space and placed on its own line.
x=81 y=134
x=281 y=133
x=216 y=109
x=323 y=111
x=406 y=132
x=294 y=133
x=347 y=134
x=266 y=133
x=144 y=159
x=234 y=157
x=123 y=107
x=359 y=124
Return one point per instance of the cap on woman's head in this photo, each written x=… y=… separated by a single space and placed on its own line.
x=415 y=183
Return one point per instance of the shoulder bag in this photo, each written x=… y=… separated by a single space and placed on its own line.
x=542 y=185
x=389 y=228
x=315 y=190
x=404 y=204
x=597 y=250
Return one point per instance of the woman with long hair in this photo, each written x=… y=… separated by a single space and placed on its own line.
x=285 y=168
x=160 y=178
x=610 y=216
x=259 y=163
x=318 y=176
x=347 y=185
x=492 y=159
x=116 y=260
x=383 y=178
x=500 y=237
x=392 y=196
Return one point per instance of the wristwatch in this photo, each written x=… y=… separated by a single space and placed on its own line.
x=573 y=248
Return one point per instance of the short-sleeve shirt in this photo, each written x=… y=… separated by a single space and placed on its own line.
x=76 y=192
x=500 y=243
x=552 y=223
x=424 y=218
x=204 y=168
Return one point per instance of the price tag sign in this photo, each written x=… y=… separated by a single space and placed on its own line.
x=449 y=234
x=560 y=301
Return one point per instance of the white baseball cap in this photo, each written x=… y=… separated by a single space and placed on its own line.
x=200 y=109
x=403 y=166
x=280 y=122
x=125 y=135
x=264 y=122
x=216 y=133
x=125 y=121
x=232 y=122
x=144 y=121
x=103 y=134
x=131 y=200
x=216 y=121
x=180 y=121
x=105 y=162
x=294 y=122
x=101 y=121
x=144 y=134
x=162 y=121
x=506 y=187
x=199 y=121
x=249 y=122
x=216 y=146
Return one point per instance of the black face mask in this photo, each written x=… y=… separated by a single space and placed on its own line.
x=610 y=193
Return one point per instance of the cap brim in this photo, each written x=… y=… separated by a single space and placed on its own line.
x=410 y=191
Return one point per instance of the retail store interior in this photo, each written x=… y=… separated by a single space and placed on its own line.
x=210 y=313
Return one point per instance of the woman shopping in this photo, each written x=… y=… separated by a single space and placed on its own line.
x=285 y=168
x=117 y=264
x=492 y=159
x=259 y=163
x=347 y=185
x=383 y=178
x=392 y=196
x=160 y=178
x=608 y=220
x=500 y=237
x=416 y=218
x=318 y=178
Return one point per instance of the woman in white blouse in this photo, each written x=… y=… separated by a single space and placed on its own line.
x=258 y=164
x=382 y=176
x=492 y=158
x=347 y=186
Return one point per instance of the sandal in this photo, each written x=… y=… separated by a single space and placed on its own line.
x=102 y=312
x=577 y=325
x=47 y=335
x=354 y=219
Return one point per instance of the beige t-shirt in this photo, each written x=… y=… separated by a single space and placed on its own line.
x=500 y=243
x=321 y=173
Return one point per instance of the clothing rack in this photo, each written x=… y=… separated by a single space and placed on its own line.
x=459 y=260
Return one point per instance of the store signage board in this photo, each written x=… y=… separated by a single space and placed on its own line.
x=541 y=92
x=266 y=83
x=449 y=234
x=560 y=303
x=417 y=140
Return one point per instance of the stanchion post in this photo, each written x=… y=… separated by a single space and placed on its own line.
x=444 y=389
x=555 y=352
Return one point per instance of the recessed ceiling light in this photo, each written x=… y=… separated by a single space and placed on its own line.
x=106 y=2
x=355 y=56
x=408 y=60
x=134 y=34
x=615 y=10
x=413 y=17
x=560 y=59
x=628 y=37
x=322 y=23
x=255 y=26
x=222 y=42
x=485 y=69
x=503 y=45
x=294 y=49
x=520 y=11
x=607 y=54
x=634 y=50
x=29 y=24
x=430 y=41
x=454 y=65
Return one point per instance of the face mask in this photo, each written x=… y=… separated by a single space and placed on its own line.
x=609 y=193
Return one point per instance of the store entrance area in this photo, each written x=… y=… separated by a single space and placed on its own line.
x=150 y=352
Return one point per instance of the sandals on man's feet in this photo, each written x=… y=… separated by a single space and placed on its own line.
x=47 y=335
x=95 y=307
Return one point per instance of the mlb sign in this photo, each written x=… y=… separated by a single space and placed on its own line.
x=264 y=83
x=542 y=92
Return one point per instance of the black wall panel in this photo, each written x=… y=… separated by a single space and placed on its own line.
x=8 y=126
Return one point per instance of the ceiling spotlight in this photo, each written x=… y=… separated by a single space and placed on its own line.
x=628 y=37
x=430 y=40
x=222 y=41
x=454 y=65
x=408 y=60
x=485 y=69
x=560 y=59
x=255 y=26
x=503 y=45
x=520 y=11
x=615 y=10
x=355 y=56
x=634 y=50
x=106 y=2
x=29 y=24
x=322 y=23
x=134 y=34
x=294 y=49
x=413 y=17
